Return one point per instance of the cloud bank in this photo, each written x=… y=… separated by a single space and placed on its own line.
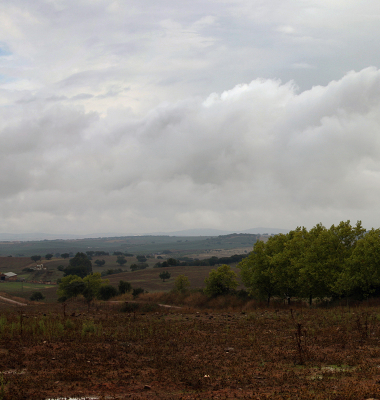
x=146 y=116
x=258 y=154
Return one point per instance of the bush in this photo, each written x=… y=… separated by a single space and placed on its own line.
x=37 y=296
x=124 y=287
x=137 y=291
x=129 y=307
x=141 y=307
x=221 y=281
x=164 y=275
x=136 y=267
x=106 y=292
x=181 y=283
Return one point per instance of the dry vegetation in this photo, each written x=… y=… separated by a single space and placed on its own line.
x=152 y=352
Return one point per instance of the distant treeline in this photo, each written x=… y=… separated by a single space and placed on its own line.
x=99 y=253
x=183 y=262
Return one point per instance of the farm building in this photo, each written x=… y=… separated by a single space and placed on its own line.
x=8 y=276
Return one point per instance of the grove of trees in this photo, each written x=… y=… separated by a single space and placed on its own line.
x=341 y=261
x=79 y=265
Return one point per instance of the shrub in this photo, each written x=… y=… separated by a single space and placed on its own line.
x=137 y=291
x=181 y=283
x=136 y=267
x=124 y=287
x=37 y=296
x=129 y=307
x=221 y=281
x=164 y=275
x=141 y=307
x=106 y=292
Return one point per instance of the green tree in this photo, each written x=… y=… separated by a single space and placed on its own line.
x=164 y=275
x=106 y=292
x=319 y=264
x=221 y=281
x=124 y=287
x=362 y=271
x=92 y=284
x=36 y=258
x=121 y=260
x=172 y=262
x=345 y=238
x=65 y=255
x=49 y=256
x=136 y=267
x=257 y=274
x=36 y=296
x=181 y=283
x=99 y=263
x=79 y=265
x=70 y=286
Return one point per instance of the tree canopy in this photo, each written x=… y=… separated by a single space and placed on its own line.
x=319 y=263
x=164 y=275
x=79 y=265
x=221 y=281
x=91 y=286
x=181 y=283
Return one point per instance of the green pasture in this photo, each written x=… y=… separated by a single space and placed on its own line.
x=25 y=290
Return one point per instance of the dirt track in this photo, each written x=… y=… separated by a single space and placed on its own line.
x=12 y=301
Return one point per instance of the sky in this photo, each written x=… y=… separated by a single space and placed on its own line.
x=140 y=116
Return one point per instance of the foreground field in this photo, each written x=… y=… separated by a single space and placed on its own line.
x=162 y=353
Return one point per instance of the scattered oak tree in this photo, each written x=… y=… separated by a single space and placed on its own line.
x=121 y=260
x=36 y=296
x=124 y=287
x=164 y=275
x=221 y=281
x=79 y=265
x=181 y=283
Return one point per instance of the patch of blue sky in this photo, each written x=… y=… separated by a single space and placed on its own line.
x=6 y=79
x=4 y=51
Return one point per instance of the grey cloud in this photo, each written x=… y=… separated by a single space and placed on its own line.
x=82 y=96
x=258 y=153
x=117 y=113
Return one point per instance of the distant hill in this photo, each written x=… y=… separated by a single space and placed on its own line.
x=36 y=236
x=219 y=232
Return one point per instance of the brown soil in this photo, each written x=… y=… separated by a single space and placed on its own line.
x=185 y=354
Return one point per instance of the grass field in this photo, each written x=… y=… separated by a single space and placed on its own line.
x=149 y=279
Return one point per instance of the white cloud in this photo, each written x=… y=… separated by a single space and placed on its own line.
x=258 y=154
x=139 y=116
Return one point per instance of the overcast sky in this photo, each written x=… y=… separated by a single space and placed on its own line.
x=137 y=116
